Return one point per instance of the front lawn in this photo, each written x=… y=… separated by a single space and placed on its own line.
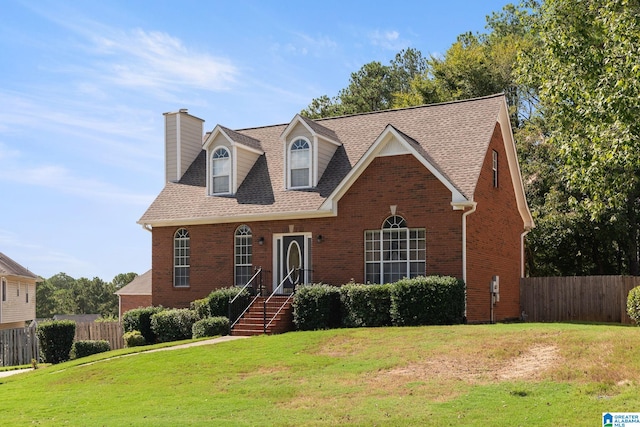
x=499 y=375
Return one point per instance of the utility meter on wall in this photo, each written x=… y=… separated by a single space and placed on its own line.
x=495 y=288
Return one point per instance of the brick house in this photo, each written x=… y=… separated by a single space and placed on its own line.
x=17 y=294
x=135 y=294
x=369 y=198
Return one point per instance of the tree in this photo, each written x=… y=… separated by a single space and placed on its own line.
x=585 y=63
x=372 y=88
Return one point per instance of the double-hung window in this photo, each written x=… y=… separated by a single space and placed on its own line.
x=243 y=255
x=394 y=252
x=220 y=171
x=181 y=258
x=300 y=164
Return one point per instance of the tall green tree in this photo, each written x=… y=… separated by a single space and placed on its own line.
x=372 y=88
x=586 y=65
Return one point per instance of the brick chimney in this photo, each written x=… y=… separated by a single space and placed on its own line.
x=183 y=142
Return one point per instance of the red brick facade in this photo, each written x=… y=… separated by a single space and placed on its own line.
x=129 y=302
x=493 y=241
x=422 y=200
x=493 y=236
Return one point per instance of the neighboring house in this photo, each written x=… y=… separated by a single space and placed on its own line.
x=135 y=294
x=17 y=294
x=370 y=198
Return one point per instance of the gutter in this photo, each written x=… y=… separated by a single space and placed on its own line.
x=463 y=206
x=522 y=236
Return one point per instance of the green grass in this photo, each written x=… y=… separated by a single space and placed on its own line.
x=499 y=375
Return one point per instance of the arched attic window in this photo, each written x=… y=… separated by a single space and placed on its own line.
x=394 y=252
x=220 y=171
x=300 y=164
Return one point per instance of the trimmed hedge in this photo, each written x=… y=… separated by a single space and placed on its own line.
x=210 y=327
x=85 y=348
x=432 y=300
x=219 y=300
x=56 y=339
x=201 y=308
x=365 y=305
x=633 y=304
x=173 y=325
x=133 y=339
x=139 y=319
x=316 y=307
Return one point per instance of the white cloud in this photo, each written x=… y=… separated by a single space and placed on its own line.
x=152 y=59
x=63 y=180
x=389 y=39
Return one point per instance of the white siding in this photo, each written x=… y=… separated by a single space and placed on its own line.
x=183 y=143
x=246 y=160
x=16 y=308
x=190 y=140
x=326 y=150
x=171 y=149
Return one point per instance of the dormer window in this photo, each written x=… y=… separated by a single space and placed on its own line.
x=300 y=164
x=220 y=171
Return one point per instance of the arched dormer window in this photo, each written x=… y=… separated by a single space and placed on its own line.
x=300 y=164
x=181 y=258
x=243 y=255
x=394 y=252
x=221 y=171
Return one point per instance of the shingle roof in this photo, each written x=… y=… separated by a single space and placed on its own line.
x=140 y=285
x=9 y=267
x=242 y=139
x=452 y=136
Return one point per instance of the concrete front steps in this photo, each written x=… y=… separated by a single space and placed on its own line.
x=252 y=323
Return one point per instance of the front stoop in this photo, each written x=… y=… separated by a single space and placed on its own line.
x=252 y=323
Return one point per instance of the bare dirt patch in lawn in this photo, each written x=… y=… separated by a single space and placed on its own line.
x=481 y=368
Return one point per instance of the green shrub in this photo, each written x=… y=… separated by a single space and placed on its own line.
x=133 y=339
x=219 y=300
x=433 y=300
x=56 y=339
x=316 y=307
x=139 y=319
x=210 y=327
x=88 y=347
x=173 y=325
x=365 y=305
x=633 y=304
x=201 y=308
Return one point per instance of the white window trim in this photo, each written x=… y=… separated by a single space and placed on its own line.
x=494 y=169
x=311 y=163
x=188 y=257
x=381 y=261
x=244 y=238
x=210 y=171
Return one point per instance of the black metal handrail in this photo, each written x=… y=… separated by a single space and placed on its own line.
x=232 y=317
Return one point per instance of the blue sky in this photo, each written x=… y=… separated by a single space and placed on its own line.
x=83 y=85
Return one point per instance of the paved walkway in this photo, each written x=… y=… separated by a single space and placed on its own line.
x=175 y=347
x=13 y=372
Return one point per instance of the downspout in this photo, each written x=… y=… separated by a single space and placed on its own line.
x=463 y=206
x=522 y=236
x=464 y=241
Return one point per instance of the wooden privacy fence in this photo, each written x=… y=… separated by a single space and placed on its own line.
x=577 y=298
x=18 y=346
x=108 y=331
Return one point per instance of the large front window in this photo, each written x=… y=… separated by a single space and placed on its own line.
x=220 y=171
x=300 y=163
x=394 y=252
x=181 y=258
x=243 y=255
